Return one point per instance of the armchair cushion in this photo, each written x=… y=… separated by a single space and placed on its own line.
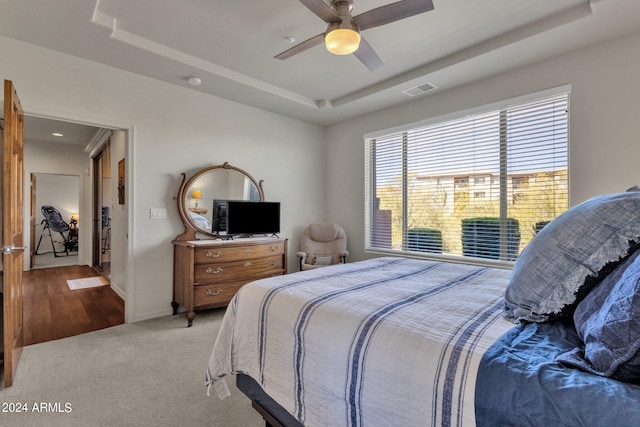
x=322 y=244
x=325 y=232
x=324 y=260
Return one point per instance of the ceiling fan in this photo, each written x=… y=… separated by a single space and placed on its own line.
x=343 y=31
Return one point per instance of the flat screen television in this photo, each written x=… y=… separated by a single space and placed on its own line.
x=247 y=218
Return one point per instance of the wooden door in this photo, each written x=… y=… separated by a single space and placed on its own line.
x=12 y=230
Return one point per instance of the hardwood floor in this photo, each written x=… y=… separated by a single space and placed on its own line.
x=53 y=311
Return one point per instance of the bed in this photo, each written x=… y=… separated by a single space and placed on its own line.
x=400 y=341
x=200 y=221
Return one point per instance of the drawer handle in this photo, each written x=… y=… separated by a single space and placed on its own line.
x=248 y=264
x=216 y=255
x=209 y=270
x=273 y=263
x=211 y=293
x=273 y=248
x=248 y=251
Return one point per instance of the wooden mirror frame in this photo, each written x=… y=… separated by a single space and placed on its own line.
x=190 y=227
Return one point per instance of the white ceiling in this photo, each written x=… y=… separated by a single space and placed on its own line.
x=230 y=45
x=42 y=129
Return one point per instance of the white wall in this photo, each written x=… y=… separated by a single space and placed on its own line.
x=172 y=130
x=605 y=126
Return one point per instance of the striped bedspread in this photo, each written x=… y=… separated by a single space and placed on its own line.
x=382 y=342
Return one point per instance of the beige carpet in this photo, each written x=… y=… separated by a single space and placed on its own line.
x=148 y=373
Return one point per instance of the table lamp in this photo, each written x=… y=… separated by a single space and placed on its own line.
x=197 y=195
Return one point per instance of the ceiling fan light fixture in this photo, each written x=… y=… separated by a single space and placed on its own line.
x=342 y=41
x=194 y=81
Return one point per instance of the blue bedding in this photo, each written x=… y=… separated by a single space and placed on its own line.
x=520 y=383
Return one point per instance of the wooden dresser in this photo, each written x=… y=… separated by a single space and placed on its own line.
x=208 y=273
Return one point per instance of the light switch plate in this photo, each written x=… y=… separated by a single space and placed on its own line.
x=158 y=213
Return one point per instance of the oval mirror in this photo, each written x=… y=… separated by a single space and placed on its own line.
x=197 y=196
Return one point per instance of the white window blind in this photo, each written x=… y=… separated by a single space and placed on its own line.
x=478 y=186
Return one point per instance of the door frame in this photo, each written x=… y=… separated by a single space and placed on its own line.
x=86 y=206
x=98 y=167
x=32 y=219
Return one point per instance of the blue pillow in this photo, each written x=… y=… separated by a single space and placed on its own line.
x=611 y=333
x=593 y=302
x=571 y=255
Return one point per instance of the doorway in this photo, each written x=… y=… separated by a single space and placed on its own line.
x=55 y=247
x=102 y=209
x=109 y=208
x=54 y=160
x=40 y=154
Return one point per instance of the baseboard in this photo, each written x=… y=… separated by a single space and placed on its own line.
x=152 y=315
x=118 y=290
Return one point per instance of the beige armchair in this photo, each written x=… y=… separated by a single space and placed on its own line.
x=321 y=245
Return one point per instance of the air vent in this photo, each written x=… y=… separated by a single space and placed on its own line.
x=419 y=90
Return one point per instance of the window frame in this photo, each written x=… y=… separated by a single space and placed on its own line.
x=370 y=173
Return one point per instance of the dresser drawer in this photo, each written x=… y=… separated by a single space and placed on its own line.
x=230 y=253
x=220 y=272
x=215 y=294
x=207 y=274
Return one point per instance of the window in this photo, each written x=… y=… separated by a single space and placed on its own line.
x=520 y=182
x=417 y=180
x=462 y=183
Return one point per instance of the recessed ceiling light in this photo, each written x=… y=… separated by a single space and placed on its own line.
x=57 y=134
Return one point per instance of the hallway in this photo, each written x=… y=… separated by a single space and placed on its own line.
x=48 y=260
x=53 y=311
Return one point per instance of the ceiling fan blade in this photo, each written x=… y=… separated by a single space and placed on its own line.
x=368 y=56
x=392 y=12
x=320 y=8
x=301 y=47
